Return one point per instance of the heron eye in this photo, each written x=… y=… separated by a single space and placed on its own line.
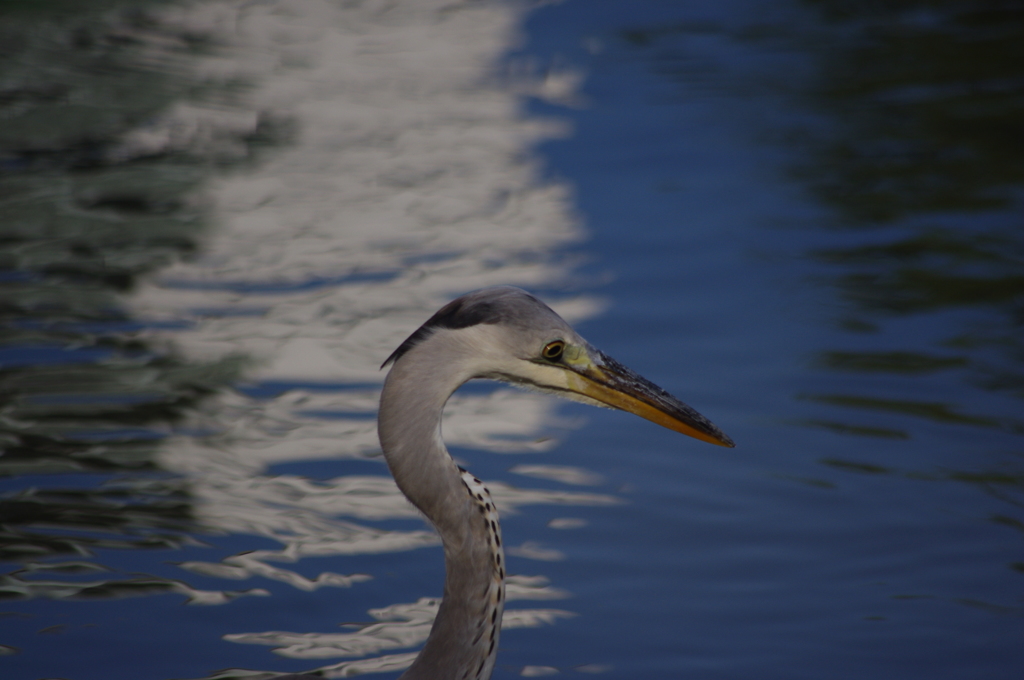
x=553 y=350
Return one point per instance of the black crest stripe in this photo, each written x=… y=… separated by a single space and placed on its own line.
x=459 y=313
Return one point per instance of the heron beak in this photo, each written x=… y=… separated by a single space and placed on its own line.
x=601 y=378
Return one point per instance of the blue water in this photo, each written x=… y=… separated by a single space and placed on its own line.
x=798 y=227
x=884 y=544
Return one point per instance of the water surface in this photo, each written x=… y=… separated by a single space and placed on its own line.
x=220 y=218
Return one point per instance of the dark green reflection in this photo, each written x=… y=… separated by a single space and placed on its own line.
x=859 y=430
x=905 y=121
x=853 y=466
x=148 y=516
x=81 y=219
x=889 y=362
x=923 y=106
x=105 y=416
x=927 y=96
x=938 y=412
x=84 y=215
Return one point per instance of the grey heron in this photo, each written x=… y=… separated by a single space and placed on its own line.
x=502 y=334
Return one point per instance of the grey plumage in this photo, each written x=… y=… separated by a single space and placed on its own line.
x=502 y=334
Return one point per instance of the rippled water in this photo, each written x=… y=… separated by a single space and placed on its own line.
x=219 y=218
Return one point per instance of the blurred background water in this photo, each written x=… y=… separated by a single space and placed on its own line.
x=218 y=218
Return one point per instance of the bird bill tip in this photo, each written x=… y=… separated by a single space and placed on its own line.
x=636 y=395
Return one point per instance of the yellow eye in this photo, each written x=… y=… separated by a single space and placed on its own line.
x=553 y=350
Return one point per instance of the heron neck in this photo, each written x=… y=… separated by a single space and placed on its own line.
x=465 y=631
x=409 y=426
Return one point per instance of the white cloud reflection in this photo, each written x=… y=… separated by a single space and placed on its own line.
x=402 y=625
x=408 y=178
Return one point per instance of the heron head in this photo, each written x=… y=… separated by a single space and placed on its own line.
x=509 y=335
